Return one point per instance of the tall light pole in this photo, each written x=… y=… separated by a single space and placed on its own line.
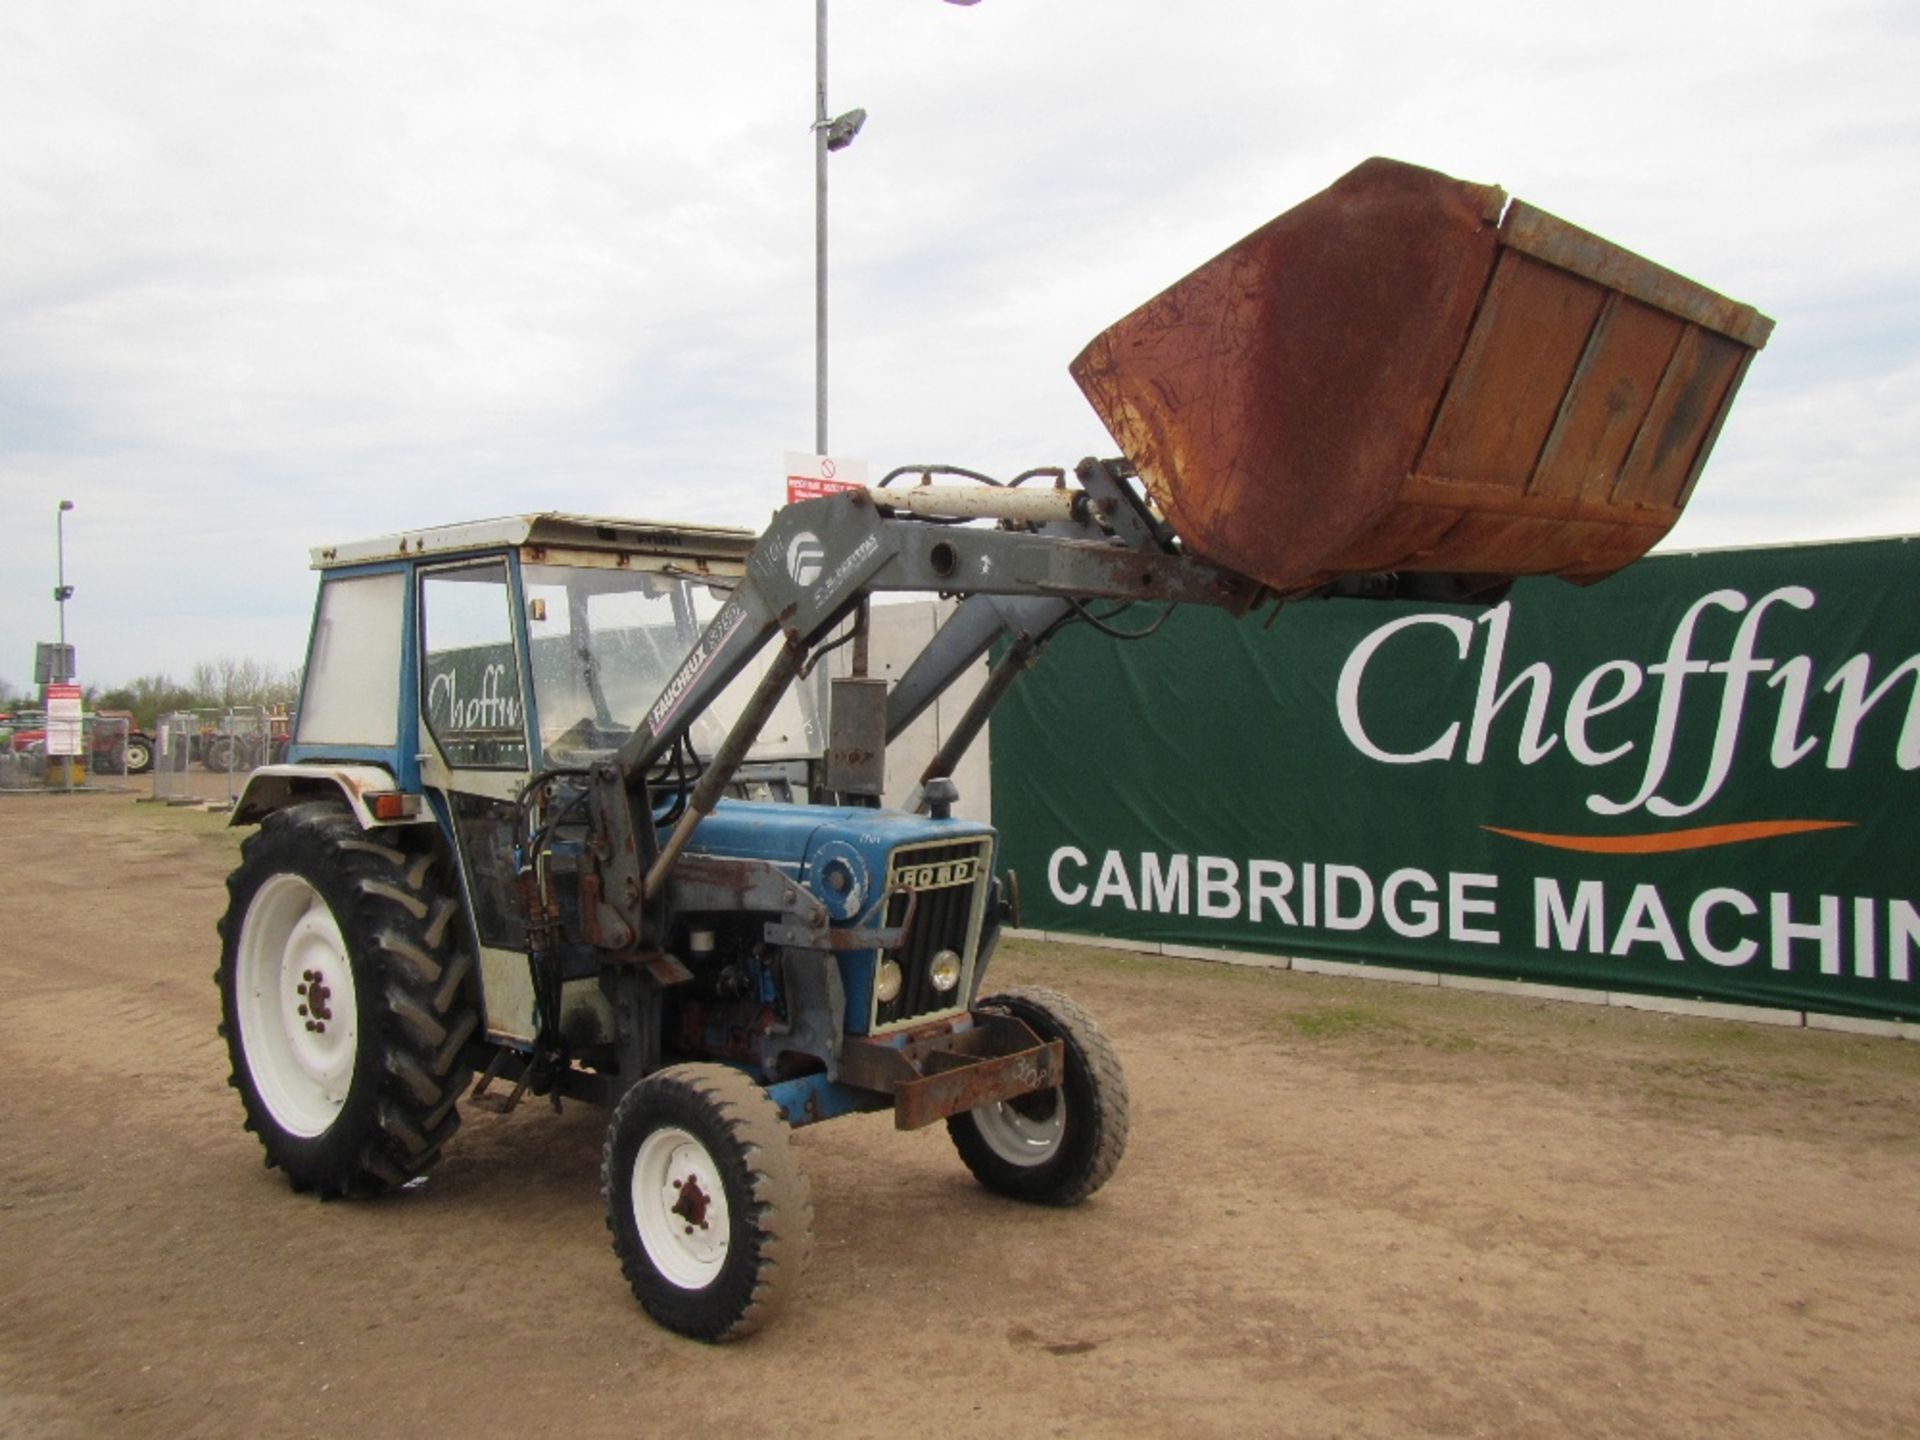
x=834 y=134
x=820 y=226
x=62 y=592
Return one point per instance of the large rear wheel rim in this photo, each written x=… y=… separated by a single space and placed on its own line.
x=680 y=1208
x=298 y=1019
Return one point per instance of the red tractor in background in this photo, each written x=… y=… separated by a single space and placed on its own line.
x=109 y=747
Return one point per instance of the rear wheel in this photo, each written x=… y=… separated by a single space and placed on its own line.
x=1054 y=1147
x=347 y=997
x=706 y=1201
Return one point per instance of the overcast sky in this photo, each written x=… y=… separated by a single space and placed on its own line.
x=276 y=275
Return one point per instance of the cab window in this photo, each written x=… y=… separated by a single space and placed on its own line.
x=470 y=675
x=352 y=694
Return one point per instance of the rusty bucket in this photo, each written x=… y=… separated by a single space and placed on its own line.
x=1406 y=372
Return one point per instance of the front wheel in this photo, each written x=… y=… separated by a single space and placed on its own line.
x=706 y=1201
x=1053 y=1147
x=139 y=754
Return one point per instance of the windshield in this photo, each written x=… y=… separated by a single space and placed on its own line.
x=604 y=643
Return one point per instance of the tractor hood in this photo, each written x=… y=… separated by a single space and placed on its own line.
x=840 y=853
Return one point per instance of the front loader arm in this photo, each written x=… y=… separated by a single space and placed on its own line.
x=967 y=634
x=815 y=563
x=819 y=558
x=980 y=620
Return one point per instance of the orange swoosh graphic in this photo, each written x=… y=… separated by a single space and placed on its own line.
x=1702 y=838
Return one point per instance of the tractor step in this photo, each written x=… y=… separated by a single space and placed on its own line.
x=486 y=1097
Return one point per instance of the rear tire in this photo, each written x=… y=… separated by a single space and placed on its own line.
x=1054 y=1147
x=348 y=997
x=707 y=1204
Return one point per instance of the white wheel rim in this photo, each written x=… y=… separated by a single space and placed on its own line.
x=680 y=1208
x=298 y=1019
x=1019 y=1138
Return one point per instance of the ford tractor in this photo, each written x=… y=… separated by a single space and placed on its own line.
x=571 y=808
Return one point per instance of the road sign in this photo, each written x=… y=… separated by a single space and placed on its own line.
x=52 y=663
x=63 y=720
x=811 y=476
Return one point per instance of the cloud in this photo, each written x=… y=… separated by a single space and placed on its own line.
x=281 y=275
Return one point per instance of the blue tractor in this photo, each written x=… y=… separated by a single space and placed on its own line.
x=567 y=809
x=562 y=812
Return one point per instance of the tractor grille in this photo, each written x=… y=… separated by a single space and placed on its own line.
x=948 y=883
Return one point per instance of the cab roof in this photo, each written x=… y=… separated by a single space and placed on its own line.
x=666 y=540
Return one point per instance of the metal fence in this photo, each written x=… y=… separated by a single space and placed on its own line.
x=187 y=750
x=100 y=753
x=20 y=769
x=235 y=745
x=104 y=744
x=193 y=745
x=175 y=739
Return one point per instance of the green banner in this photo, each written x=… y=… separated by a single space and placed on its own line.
x=473 y=706
x=1696 y=779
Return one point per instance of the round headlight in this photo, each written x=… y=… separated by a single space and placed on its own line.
x=944 y=971
x=886 y=981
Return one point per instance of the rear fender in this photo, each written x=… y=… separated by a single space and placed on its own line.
x=274 y=787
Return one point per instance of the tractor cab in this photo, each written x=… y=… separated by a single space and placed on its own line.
x=468 y=657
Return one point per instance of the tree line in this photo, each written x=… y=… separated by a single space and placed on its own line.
x=211 y=685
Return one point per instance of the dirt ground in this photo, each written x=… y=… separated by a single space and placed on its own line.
x=1347 y=1210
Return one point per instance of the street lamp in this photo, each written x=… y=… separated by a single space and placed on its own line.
x=62 y=592
x=828 y=134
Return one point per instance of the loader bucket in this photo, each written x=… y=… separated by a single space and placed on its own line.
x=1406 y=372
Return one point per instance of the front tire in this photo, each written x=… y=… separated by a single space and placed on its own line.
x=1054 y=1147
x=347 y=997
x=139 y=754
x=707 y=1204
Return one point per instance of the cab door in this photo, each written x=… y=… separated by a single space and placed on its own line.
x=474 y=753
